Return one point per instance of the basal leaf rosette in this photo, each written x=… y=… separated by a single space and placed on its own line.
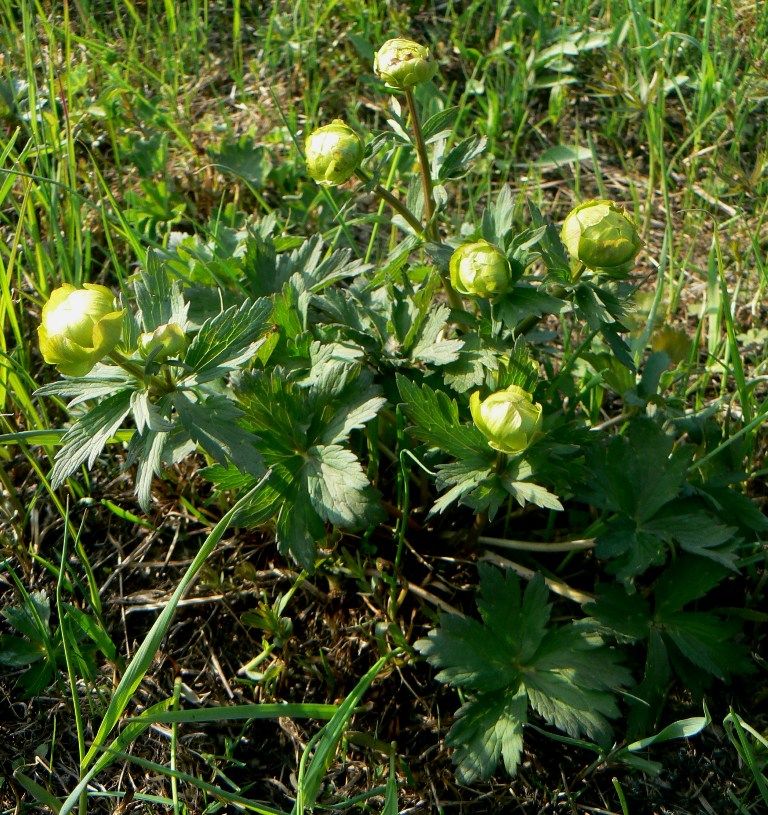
x=333 y=153
x=165 y=341
x=509 y=418
x=402 y=64
x=79 y=327
x=600 y=235
x=480 y=269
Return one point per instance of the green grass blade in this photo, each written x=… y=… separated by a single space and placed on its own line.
x=326 y=741
x=40 y=794
x=239 y=712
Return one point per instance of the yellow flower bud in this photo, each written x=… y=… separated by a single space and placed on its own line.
x=79 y=327
x=480 y=269
x=165 y=341
x=601 y=236
x=333 y=153
x=403 y=63
x=509 y=419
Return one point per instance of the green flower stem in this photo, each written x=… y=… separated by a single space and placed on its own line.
x=399 y=207
x=426 y=177
x=429 y=201
x=453 y=296
x=395 y=203
x=127 y=365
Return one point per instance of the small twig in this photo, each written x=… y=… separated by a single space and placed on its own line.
x=417 y=590
x=217 y=668
x=432 y=598
x=531 y=546
x=557 y=586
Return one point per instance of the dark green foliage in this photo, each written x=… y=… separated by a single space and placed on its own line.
x=513 y=659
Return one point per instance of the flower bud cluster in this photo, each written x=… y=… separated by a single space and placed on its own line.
x=334 y=151
x=80 y=327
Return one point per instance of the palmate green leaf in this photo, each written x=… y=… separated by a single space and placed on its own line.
x=686 y=580
x=159 y=296
x=458 y=161
x=524 y=300
x=431 y=347
x=436 y=421
x=467 y=655
x=518 y=368
x=16 y=652
x=627 y=617
x=703 y=638
x=515 y=657
x=315 y=271
x=636 y=475
x=487 y=729
x=734 y=508
x=527 y=492
x=244 y=159
x=630 y=549
x=498 y=219
x=337 y=486
x=440 y=123
x=577 y=712
x=85 y=440
x=570 y=682
x=227 y=340
x=213 y=425
x=461 y=480
x=358 y=409
x=102 y=381
x=551 y=247
x=696 y=531
x=150 y=464
x=591 y=308
x=517 y=620
x=472 y=366
x=274 y=411
x=642 y=476
x=707 y=641
x=298 y=529
x=334 y=366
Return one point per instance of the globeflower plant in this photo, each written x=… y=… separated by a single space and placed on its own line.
x=79 y=327
x=600 y=235
x=509 y=418
x=380 y=385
